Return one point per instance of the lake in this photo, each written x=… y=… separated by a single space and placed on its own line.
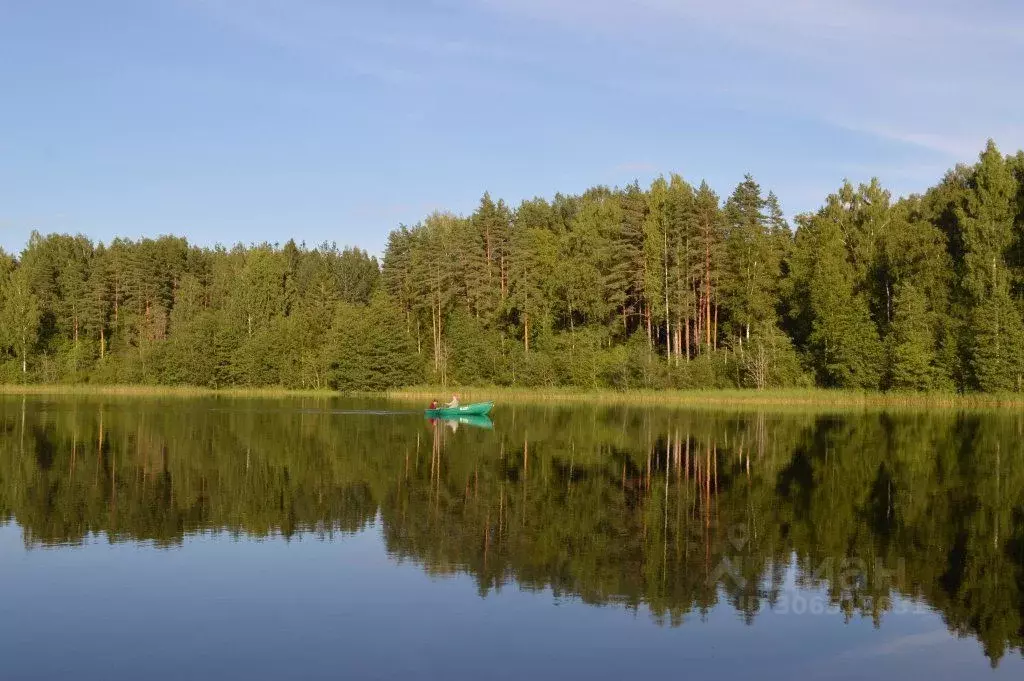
x=323 y=539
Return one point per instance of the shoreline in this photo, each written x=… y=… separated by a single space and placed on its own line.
x=805 y=398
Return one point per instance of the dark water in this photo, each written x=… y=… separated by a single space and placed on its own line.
x=184 y=539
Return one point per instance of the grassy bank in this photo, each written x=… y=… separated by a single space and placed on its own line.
x=814 y=398
x=803 y=398
x=158 y=391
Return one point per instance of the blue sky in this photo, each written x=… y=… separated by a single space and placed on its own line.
x=253 y=120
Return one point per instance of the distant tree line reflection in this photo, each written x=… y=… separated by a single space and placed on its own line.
x=678 y=511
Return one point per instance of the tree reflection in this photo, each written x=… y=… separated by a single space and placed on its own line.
x=679 y=511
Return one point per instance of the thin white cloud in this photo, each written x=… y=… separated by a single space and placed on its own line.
x=784 y=24
x=323 y=31
x=364 y=40
x=937 y=75
x=952 y=145
x=925 y=82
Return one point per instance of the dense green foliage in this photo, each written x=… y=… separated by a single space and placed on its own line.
x=676 y=510
x=667 y=286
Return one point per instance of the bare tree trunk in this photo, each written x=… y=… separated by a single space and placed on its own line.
x=707 y=320
x=686 y=342
x=650 y=336
x=707 y=292
x=668 y=317
x=677 y=332
x=673 y=333
x=670 y=349
x=698 y=318
x=714 y=335
x=433 y=333
x=440 y=340
x=526 y=332
x=487 y=248
x=680 y=331
x=503 y=276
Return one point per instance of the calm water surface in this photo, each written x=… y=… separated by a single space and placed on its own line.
x=174 y=539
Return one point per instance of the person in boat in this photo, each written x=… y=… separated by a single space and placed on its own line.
x=454 y=403
x=433 y=404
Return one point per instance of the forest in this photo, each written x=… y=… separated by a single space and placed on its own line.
x=669 y=286
x=674 y=511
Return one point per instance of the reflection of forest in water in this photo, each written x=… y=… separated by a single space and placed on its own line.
x=678 y=510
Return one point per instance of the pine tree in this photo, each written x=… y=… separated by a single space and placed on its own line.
x=578 y=279
x=96 y=303
x=998 y=344
x=533 y=256
x=682 y=259
x=397 y=274
x=262 y=288
x=843 y=339
x=72 y=285
x=7 y=264
x=709 y=242
x=356 y=274
x=1016 y=255
x=986 y=220
x=487 y=246
x=655 y=260
x=624 y=263
x=437 y=280
x=911 y=344
x=753 y=262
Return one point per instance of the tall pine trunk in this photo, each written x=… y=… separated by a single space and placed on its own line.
x=687 y=341
x=668 y=317
x=677 y=336
x=650 y=334
x=707 y=293
x=670 y=346
x=698 y=313
x=714 y=335
x=503 y=276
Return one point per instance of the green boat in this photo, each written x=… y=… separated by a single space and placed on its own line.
x=478 y=409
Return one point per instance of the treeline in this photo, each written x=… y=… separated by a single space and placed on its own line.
x=667 y=286
x=681 y=512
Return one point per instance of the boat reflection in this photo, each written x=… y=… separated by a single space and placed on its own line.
x=472 y=420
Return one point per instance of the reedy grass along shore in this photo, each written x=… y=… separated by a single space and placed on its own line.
x=803 y=398
x=153 y=391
